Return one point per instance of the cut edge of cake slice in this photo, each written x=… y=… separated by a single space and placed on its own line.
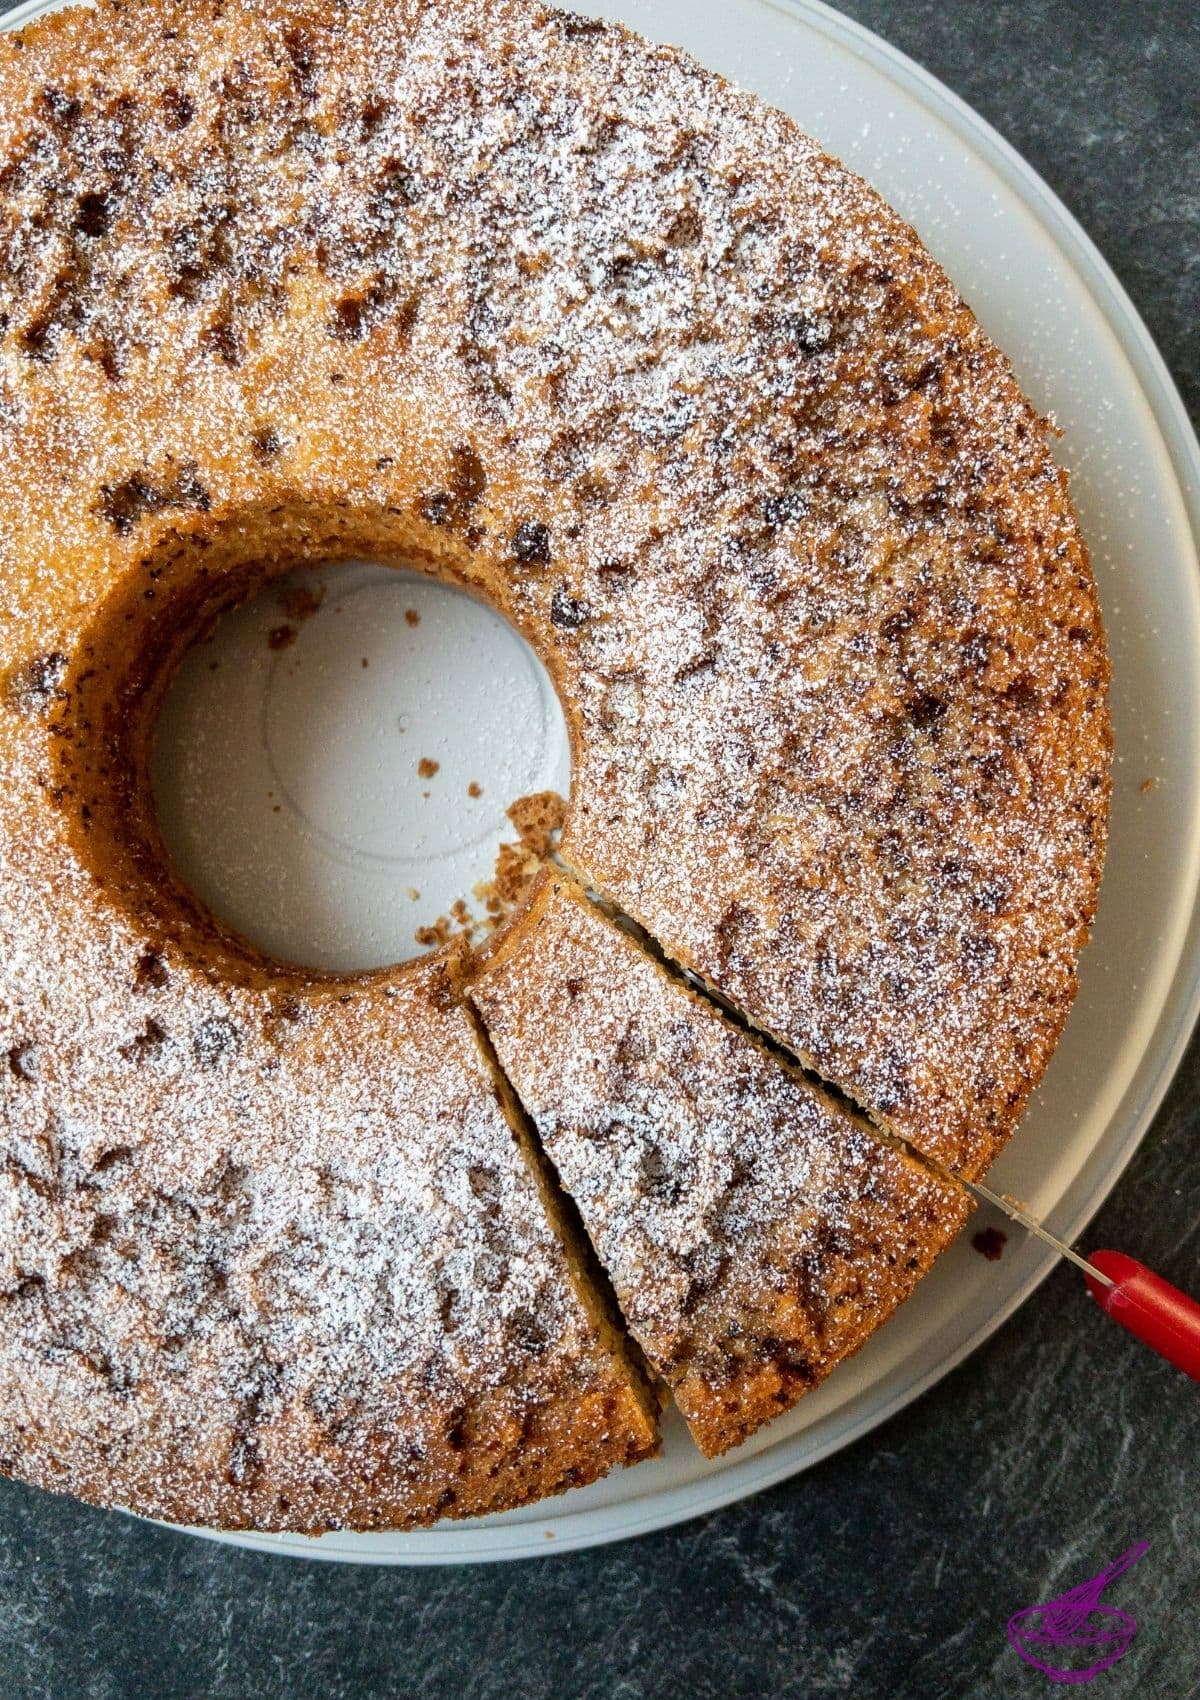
x=962 y=1157
x=663 y=1106
x=640 y=1403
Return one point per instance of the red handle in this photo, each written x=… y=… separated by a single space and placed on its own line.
x=1150 y=1308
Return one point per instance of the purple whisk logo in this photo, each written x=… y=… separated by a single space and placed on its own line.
x=1074 y=1638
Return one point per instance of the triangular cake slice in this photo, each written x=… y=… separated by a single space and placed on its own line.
x=755 y=1233
x=280 y=1262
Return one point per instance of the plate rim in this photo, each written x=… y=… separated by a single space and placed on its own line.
x=564 y=1532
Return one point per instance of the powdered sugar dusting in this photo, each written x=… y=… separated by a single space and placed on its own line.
x=259 y=1244
x=694 y=407
x=512 y=294
x=754 y=1234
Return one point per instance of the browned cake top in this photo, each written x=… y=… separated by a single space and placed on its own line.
x=272 y=1258
x=754 y=1233
x=517 y=296
x=682 y=394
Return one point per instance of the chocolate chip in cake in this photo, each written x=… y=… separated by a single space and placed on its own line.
x=91 y=218
x=212 y=1039
x=567 y=612
x=150 y=972
x=33 y=687
x=23 y=1061
x=531 y=543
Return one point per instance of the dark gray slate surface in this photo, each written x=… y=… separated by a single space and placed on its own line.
x=890 y=1570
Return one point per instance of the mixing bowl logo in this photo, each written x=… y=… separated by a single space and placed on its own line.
x=1074 y=1638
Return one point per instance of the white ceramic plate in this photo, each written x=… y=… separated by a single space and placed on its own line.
x=1048 y=298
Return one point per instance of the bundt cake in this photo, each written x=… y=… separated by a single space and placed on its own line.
x=510 y=295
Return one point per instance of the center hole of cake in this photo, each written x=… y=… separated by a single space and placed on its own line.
x=357 y=763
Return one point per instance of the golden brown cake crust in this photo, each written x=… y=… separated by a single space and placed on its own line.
x=271 y=1257
x=538 y=306
x=754 y=1233
x=620 y=346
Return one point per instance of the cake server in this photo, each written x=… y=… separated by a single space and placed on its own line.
x=1151 y=1309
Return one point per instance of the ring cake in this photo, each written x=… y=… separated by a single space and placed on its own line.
x=513 y=296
